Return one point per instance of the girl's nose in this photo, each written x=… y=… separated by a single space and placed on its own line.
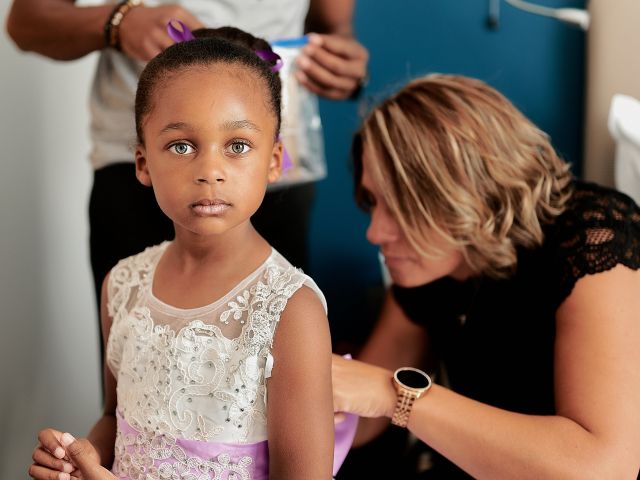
x=383 y=228
x=210 y=169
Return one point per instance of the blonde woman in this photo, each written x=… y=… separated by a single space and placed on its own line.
x=519 y=280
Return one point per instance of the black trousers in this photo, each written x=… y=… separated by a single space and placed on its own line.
x=124 y=219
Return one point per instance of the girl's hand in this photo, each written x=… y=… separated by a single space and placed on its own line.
x=86 y=459
x=332 y=66
x=363 y=389
x=50 y=458
x=143 y=31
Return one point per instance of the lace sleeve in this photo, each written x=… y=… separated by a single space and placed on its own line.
x=599 y=230
x=118 y=287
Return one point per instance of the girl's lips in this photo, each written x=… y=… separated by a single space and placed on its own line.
x=208 y=208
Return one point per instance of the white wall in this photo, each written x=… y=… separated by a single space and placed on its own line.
x=49 y=374
x=612 y=67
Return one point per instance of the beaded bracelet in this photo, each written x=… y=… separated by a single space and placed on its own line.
x=112 y=27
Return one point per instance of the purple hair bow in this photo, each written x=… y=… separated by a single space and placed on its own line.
x=270 y=56
x=183 y=34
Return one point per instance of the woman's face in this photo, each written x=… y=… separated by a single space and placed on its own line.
x=406 y=266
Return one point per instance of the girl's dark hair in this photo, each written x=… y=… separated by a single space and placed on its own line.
x=227 y=45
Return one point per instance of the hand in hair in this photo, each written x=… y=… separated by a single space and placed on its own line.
x=143 y=31
x=333 y=66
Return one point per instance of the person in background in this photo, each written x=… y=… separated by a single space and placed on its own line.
x=513 y=281
x=123 y=215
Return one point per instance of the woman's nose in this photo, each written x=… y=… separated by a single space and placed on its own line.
x=383 y=228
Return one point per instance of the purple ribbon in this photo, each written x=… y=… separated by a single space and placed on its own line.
x=287 y=163
x=345 y=431
x=270 y=56
x=182 y=35
x=344 y=434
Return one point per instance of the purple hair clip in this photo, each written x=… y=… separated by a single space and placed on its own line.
x=182 y=35
x=270 y=56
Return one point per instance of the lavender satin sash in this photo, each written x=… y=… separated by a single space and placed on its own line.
x=345 y=431
x=163 y=456
x=137 y=454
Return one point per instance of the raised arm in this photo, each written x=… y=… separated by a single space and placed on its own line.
x=299 y=406
x=395 y=342
x=596 y=431
x=333 y=64
x=61 y=30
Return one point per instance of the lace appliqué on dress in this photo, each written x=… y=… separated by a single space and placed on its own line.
x=194 y=382
x=139 y=457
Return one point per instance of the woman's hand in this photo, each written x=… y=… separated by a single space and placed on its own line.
x=143 y=31
x=363 y=389
x=332 y=66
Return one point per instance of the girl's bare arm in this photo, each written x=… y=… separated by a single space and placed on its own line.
x=300 y=406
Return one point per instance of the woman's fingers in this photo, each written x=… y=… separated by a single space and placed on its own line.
x=346 y=47
x=332 y=66
x=349 y=61
x=363 y=389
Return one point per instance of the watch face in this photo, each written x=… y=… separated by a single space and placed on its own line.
x=412 y=378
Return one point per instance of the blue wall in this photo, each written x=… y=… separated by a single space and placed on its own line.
x=535 y=61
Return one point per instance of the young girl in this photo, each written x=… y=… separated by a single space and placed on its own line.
x=196 y=326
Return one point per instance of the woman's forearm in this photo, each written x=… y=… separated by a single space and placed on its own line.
x=491 y=443
x=57 y=28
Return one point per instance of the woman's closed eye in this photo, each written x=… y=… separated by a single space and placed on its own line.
x=181 y=148
x=365 y=200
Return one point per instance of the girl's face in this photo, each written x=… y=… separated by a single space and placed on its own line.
x=406 y=266
x=209 y=149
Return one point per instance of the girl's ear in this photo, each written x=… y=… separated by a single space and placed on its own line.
x=275 y=165
x=142 y=170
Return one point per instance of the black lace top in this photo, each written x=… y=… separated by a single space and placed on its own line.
x=496 y=337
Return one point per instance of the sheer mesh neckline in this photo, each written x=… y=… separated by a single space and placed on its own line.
x=172 y=310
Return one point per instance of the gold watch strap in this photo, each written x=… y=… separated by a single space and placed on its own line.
x=404 y=404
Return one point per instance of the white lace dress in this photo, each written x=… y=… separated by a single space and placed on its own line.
x=191 y=382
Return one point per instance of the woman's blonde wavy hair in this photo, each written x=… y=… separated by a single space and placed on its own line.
x=455 y=159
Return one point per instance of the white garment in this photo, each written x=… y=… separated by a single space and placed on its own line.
x=624 y=126
x=197 y=374
x=113 y=92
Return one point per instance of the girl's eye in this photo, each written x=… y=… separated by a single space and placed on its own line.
x=181 y=148
x=238 y=148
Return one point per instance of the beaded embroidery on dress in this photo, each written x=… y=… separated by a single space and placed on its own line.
x=192 y=382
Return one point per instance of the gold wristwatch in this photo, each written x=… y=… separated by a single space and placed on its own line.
x=410 y=384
